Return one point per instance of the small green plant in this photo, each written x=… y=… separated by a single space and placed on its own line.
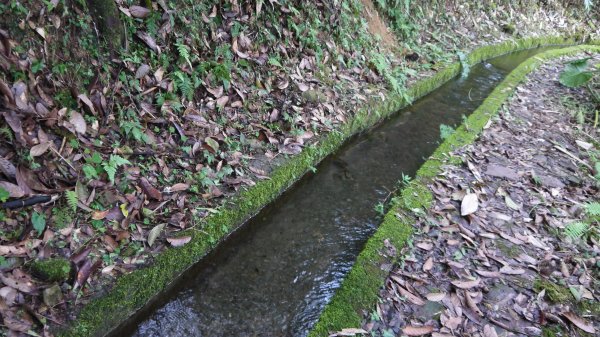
x=380 y=208
x=405 y=180
x=38 y=220
x=464 y=64
x=576 y=230
x=113 y=164
x=445 y=131
x=4 y=195
x=592 y=208
x=72 y=199
x=579 y=73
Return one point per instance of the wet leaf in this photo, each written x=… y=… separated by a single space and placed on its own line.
x=349 y=332
x=38 y=220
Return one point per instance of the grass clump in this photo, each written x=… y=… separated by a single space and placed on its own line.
x=554 y=292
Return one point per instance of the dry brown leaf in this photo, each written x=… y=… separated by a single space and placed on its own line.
x=179 y=241
x=580 y=322
x=466 y=284
x=139 y=12
x=13 y=190
x=410 y=296
x=78 y=122
x=412 y=330
x=39 y=149
x=428 y=265
x=435 y=297
x=348 y=332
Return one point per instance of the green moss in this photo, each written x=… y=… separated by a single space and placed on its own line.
x=345 y=308
x=508 y=249
x=51 y=270
x=553 y=331
x=589 y=307
x=554 y=292
x=416 y=195
x=361 y=285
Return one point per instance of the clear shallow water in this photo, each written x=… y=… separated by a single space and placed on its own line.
x=274 y=276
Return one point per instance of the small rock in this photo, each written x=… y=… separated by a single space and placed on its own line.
x=53 y=296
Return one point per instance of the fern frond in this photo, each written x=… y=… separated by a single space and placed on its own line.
x=72 y=199
x=184 y=52
x=592 y=208
x=576 y=230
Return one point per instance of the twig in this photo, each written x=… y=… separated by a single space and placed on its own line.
x=63 y=158
x=574 y=157
x=25 y=202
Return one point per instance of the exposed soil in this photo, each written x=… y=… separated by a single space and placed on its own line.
x=509 y=267
x=377 y=26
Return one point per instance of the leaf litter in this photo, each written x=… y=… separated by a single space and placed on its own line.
x=502 y=272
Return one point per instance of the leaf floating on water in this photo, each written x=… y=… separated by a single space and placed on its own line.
x=412 y=330
x=580 y=322
x=469 y=204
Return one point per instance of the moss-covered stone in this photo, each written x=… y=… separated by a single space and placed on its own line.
x=51 y=270
x=553 y=331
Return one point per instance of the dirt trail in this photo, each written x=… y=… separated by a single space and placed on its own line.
x=510 y=267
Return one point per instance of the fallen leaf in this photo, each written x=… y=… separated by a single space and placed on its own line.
x=412 y=330
x=410 y=296
x=154 y=233
x=435 y=297
x=428 y=264
x=580 y=322
x=150 y=190
x=139 y=12
x=466 y=284
x=148 y=40
x=14 y=191
x=179 y=241
x=469 y=204
x=348 y=332
x=39 y=149
x=78 y=122
x=511 y=271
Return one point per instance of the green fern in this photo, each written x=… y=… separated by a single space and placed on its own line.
x=6 y=132
x=576 y=230
x=592 y=208
x=184 y=84
x=184 y=52
x=111 y=167
x=72 y=199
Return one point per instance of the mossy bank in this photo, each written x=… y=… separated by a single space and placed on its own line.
x=360 y=289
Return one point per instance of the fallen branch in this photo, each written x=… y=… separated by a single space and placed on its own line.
x=38 y=199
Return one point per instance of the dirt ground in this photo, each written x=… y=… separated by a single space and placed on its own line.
x=514 y=265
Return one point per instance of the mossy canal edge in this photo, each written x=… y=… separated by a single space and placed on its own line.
x=360 y=288
x=132 y=291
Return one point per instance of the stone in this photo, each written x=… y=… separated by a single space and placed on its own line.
x=53 y=295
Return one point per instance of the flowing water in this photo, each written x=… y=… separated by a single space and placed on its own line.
x=274 y=276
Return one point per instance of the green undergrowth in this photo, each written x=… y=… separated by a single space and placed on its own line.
x=360 y=289
x=133 y=290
